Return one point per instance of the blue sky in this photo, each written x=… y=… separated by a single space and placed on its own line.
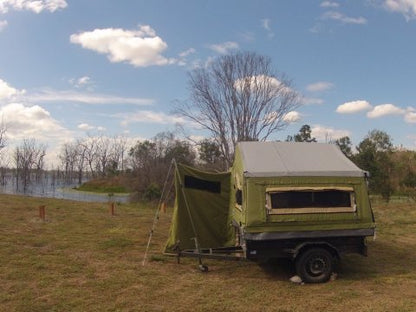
x=69 y=68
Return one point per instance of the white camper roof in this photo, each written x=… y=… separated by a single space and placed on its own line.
x=269 y=159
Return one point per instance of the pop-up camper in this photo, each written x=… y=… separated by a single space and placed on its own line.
x=305 y=201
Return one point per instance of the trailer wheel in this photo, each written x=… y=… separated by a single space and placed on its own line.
x=315 y=265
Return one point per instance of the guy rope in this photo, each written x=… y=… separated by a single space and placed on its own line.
x=161 y=206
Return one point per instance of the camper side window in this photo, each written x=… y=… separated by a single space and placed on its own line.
x=294 y=201
x=203 y=185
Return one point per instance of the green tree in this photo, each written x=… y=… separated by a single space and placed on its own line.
x=304 y=135
x=151 y=159
x=210 y=155
x=374 y=156
x=345 y=145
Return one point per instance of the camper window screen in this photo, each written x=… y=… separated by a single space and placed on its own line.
x=311 y=201
x=203 y=185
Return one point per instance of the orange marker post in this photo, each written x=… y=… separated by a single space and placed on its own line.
x=42 y=213
x=112 y=209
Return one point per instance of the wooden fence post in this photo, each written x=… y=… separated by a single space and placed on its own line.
x=112 y=209
x=42 y=212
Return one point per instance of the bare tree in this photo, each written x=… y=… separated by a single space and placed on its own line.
x=3 y=139
x=89 y=146
x=3 y=159
x=80 y=160
x=68 y=157
x=120 y=149
x=28 y=157
x=238 y=97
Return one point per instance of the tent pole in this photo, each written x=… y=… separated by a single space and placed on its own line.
x=202 y=267
x=156 y=217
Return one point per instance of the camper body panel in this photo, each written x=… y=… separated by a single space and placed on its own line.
x=269 y=227
x=259 y=216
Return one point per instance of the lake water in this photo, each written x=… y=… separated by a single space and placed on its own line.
x=58 y=189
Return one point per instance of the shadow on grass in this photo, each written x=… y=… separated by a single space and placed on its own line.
x=279 y=269
x=385 y=260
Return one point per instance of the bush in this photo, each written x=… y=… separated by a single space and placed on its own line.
x=152 y=192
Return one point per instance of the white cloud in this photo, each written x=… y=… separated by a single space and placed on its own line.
x=247 y=36
x=266 y=25
x=149 y=117
x=292 y=117
x=182 y=59
x=319 y=86
x=261 y=81
x=81 y=81
x=410 y=117
x=86 y=98
x=3 y=25
x=405 y=7
x=140 y=48
x=24 y=122
x=322 y=133
x=7 y=91
x=88 y=127
x=384 y=110
x=337 y=16
x=85 y=127
x=353 y=107
x=329 y=4
x=187 y=52
x=36 y=6
x=224 y=48
x=311 y=101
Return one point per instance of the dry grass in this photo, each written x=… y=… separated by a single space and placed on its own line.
x=83 y=259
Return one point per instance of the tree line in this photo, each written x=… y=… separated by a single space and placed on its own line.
x=144 y=164
x=392 y=169
x=235 y=97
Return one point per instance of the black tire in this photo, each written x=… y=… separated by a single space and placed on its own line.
x=315 y=265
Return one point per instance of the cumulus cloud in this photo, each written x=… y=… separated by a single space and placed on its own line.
x=353 y=107
x=322 y=133
x=147 y=116
x=7 y=91
x=36 y=6
x=340 y=17
x=140 y=48
x=225 y=47
x=30 y=122
x=292 y=117
x=3 y=25
x=329 y=4
x=319 y=86
x=405 y=7
x=84 y=97
x=384 y=110
x=410 y=117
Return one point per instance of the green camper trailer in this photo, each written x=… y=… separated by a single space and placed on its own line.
x=304 y=201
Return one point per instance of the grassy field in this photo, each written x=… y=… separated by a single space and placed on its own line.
x=83 y=259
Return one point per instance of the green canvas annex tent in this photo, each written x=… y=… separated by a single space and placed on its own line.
x=274 y=191
x=201 y=209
